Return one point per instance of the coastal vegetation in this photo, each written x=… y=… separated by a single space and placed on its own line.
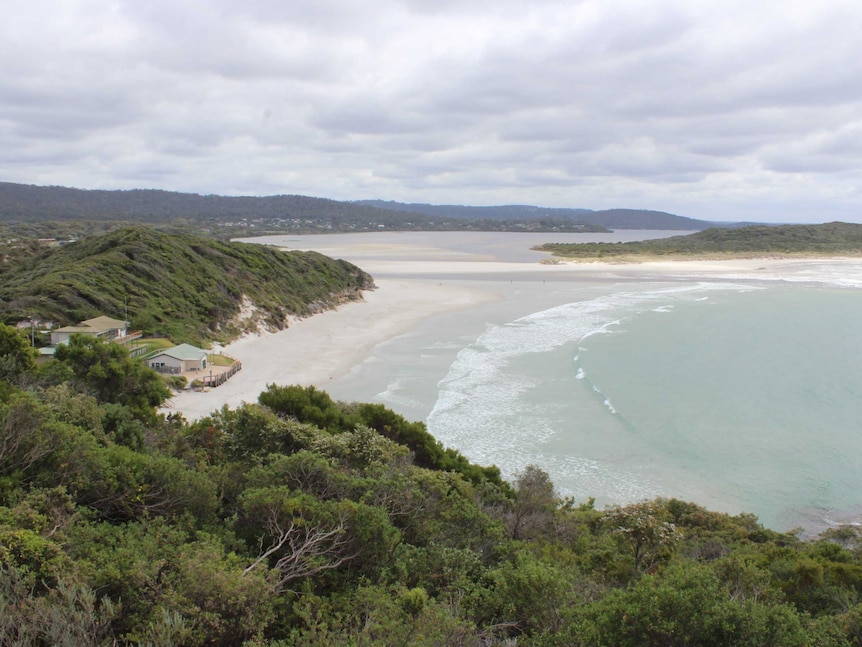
x=298 y=520
x=830 y=239
x=189 y=288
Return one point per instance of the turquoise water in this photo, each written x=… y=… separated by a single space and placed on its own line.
x=742 y=397
x=740 y=393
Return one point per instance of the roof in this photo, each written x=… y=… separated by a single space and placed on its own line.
x=183 y=352
x=83 y=329
x=95 y=326
x=104 y=323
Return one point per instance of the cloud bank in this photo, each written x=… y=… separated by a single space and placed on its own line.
x=719 y=110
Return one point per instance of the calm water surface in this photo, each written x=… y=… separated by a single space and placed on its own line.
x=739 y=394
x=738 y=397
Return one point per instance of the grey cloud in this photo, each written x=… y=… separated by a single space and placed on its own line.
x=666 y=105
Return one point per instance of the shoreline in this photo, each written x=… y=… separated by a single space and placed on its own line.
x=324 y=347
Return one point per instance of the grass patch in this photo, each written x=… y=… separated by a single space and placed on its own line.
x=153 y=344
x=216 y=359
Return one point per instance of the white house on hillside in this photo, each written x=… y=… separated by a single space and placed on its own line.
x=105 y=327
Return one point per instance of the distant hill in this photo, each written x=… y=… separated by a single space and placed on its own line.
x=26 y=206
x=830 y=239
x=22 y=203
x=77 y=211
x=609 y=218
x=189 y=287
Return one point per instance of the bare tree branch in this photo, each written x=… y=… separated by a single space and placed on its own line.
x=307 y=549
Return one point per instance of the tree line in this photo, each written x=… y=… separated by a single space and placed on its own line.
x=830 y=239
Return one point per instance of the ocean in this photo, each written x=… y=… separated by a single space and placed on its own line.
x=738 y=392
x=739 y=397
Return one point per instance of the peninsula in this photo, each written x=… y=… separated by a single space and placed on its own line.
x=782 y=241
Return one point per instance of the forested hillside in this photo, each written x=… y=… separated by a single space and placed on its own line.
x=21 y=203
x=299 y=521
x=830 y=239
x=187 y=287
x=52 y=210
x=606 y=218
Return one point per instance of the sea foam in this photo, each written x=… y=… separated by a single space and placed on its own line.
x=484 y=406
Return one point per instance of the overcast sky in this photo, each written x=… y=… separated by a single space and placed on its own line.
x=719 y=109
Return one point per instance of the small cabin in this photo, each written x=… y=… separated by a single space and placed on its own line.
x=184 y=358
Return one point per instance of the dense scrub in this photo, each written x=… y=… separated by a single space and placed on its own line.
x=828 y=239
x=186 y=287
x=304 y=521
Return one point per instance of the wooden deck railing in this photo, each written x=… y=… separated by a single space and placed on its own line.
x=221 y=378
x=130 y=336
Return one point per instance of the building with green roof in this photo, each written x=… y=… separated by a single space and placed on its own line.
x=183 y=358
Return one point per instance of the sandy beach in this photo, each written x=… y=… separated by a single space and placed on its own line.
x=318 y=349
x=417 y=280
